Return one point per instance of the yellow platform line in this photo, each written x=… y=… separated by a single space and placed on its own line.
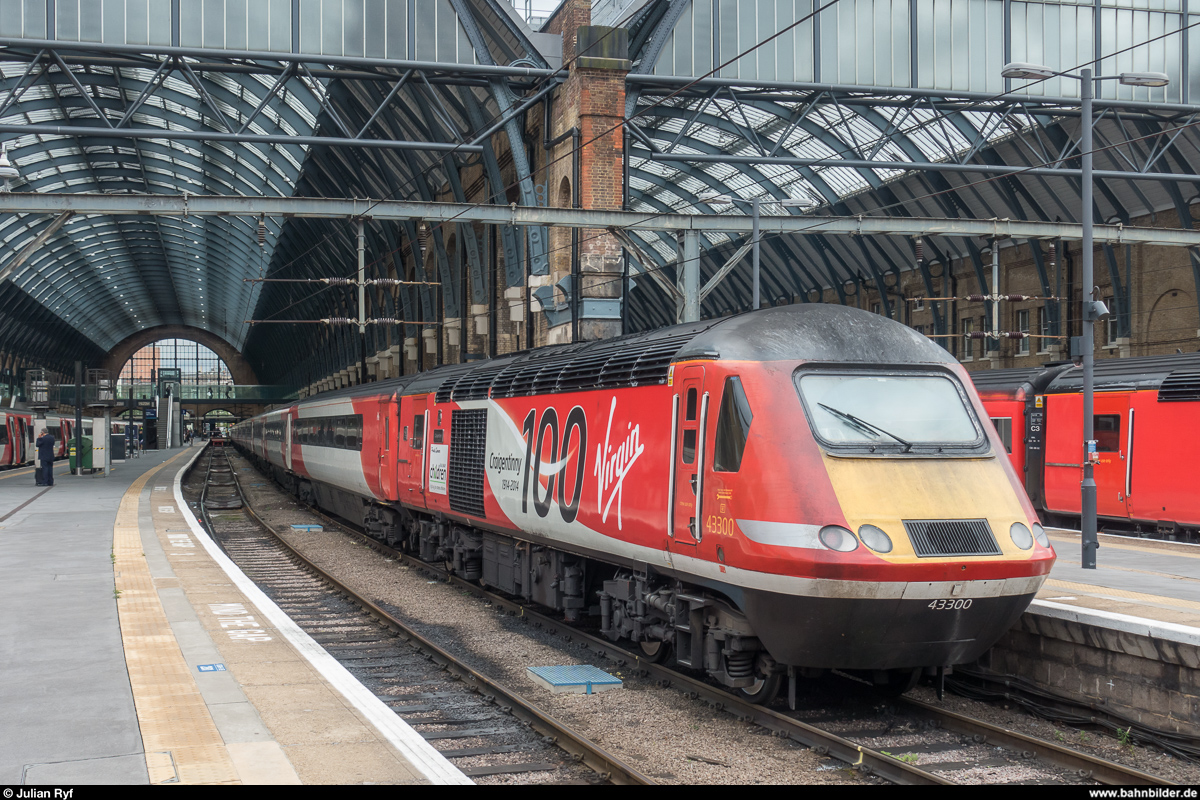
x=1093 y=589
x=180 y=738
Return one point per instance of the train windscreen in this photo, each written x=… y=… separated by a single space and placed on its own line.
x=894 y=411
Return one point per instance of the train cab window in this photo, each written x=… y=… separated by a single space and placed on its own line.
x=691 y=405
x=1108 y=432
x=418 y=439
x=922 y=413
x=689 y=446
x=3 y=434
x=733 y=427
x=1004 y=428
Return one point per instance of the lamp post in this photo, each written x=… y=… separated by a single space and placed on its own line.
x=755 y=206
x=1093 y=309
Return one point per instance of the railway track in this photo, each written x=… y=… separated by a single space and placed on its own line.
x=912 y=743
x=474 y=721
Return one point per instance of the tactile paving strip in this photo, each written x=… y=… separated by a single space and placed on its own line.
x=181 y=740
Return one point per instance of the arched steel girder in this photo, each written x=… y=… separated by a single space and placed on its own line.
x=165 y=163
x=720 y=123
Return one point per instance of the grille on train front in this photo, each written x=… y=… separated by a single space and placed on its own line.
x=951 y=537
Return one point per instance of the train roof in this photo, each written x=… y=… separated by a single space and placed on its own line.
x=809 y=332
x=1176 y=377
x=1031 y=379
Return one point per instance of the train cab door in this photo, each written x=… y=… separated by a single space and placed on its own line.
x=6 y=448
x=389 y=452
x=1110 y=416
x=287 y=439
x=416 y=418
x=688 y=455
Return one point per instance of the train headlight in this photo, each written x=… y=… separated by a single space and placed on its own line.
x=1021 y=536
x=1039 y=533
x=875 y=539
x=835 y=537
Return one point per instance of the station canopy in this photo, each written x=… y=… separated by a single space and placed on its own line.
x=871 y=107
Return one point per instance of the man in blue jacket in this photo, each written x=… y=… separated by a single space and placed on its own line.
x=45 y=448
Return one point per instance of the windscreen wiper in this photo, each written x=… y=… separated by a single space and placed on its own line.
x=863 y=425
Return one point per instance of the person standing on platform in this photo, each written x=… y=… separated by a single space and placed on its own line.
x=45 y=448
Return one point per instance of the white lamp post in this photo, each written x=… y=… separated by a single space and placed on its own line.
x=1093 y=309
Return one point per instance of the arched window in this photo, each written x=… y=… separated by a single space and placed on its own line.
x=197 y=364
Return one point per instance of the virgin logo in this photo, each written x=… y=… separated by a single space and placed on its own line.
x=613 y=462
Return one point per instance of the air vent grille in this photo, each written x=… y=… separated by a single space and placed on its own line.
x=468 y=455
x=953 y=537
x=1181 y=386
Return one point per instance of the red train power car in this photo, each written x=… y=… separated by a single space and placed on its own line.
x=777 y=493
x=1146 y=412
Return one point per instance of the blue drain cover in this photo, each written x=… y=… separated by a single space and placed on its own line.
x=582 y=678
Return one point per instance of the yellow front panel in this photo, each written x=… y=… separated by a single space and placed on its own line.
x=885 y=491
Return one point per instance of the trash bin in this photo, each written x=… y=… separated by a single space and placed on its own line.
x=85 y=455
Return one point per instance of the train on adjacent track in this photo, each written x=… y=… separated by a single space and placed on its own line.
x=19 y=430
x=1145 y=415
x=762 y=497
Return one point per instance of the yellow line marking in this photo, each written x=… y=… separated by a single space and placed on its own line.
x=181 y=741
x=1092 y=589
x=27 y=471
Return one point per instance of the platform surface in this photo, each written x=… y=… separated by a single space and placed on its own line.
x=132 y=655
x=1141 y=578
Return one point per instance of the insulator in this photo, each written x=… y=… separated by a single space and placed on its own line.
x=339 y=281
x=1014 y=335
x=978 y=298
x=976 y=335
x=386 y=321
x=339 y=321
x=920 y=243
x=1015 y=297
x=262 y=232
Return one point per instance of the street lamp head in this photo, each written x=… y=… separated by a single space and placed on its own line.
x=1144 y=79
x=715 y=198
x=1023 y=70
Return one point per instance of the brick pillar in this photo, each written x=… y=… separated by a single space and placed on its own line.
x=592 y=98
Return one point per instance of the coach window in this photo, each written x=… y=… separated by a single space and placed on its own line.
x=1004 y=428
x=3 y=434
x=691 y=406
x=733 y=427
x=339 y=436
x=1108 y=432
x=418 y=439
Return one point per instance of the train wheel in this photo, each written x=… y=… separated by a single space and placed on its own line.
x=654 y=652
x=898 y=682
x=763 y=690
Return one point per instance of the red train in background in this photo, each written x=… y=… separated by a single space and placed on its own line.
x=759 y=496
x=19 y=430
x=1147 y=423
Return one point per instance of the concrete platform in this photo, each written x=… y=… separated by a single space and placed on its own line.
x=1125 y=635
x=134 y=652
